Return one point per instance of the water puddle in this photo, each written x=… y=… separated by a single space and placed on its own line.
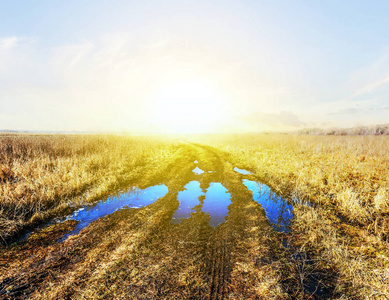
x=277 y=210
x=189 y=198
x=242 y=171
x=135 y=198
x=280 y=214
x=197 y=171
x=216 y=202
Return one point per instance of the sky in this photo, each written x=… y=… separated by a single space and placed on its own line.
x=193 y=66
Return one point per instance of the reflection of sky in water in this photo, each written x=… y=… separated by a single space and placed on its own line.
x=216 y=201
x=135 y=198
x=197 y=171
x=241 y=171
x=277 y=210
x=215 y=204
x=188 y=199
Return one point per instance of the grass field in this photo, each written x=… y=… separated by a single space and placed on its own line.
x=337 y=247
x=44 y=176
x=348 y=178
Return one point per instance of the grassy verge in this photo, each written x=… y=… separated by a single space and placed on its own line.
x=348 y=178
x=46 y=176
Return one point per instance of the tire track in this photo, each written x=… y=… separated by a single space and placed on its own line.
x=188 y=260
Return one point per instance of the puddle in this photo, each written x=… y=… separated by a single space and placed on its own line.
x=277 y=210
x=197 y=171
x=215 y=203
x=189 y=198
x=242 y=171
x=280 y=213
x=135 y=198
x=217 y=199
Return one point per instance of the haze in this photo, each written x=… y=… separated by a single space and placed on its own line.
x=193 y=66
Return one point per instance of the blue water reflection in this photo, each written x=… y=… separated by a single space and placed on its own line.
x=217 y=199
x=241 y=171
x=135 y=198
x=277 y=210
x=197 y=171
x=189 y=198
x=215 y=203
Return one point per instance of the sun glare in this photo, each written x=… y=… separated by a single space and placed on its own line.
x=188 y=107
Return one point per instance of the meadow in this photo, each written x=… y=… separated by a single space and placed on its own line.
x=348 y=178
x=337 y=246
x=45 y=176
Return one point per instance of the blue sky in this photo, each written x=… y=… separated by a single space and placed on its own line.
x=150 y=66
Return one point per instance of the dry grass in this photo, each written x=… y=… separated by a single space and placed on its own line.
x=141 y=254
x=45 y=176
x=348 y=179
x=138 y=253
x=382 y=129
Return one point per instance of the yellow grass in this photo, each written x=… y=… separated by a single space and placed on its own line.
x=43 y=176
x=141 y=254
x=341 y=238
x=348 y=178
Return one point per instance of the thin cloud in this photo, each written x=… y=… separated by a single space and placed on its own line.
x=6 y=46
x=69 y=56
x=14 y=52
x=371 y=87
x=353 y=110
x=346 y=111
x=12 y=42
x=282 y=120
x=8 y=42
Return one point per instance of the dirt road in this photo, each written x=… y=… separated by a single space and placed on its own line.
x=161 y=251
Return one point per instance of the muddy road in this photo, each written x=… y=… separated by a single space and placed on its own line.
x=195 y=230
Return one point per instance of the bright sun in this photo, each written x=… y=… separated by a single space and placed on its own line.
x=188 y=107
